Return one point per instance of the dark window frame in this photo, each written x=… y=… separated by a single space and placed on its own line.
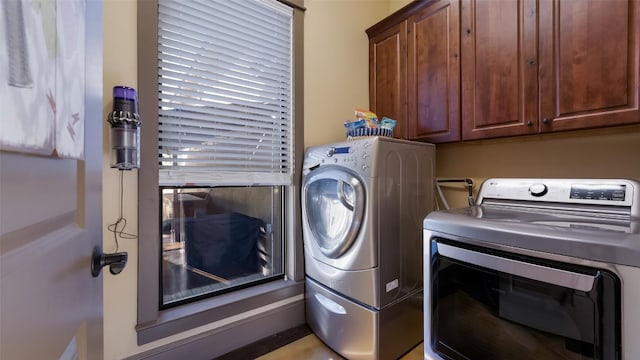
x=152 y=323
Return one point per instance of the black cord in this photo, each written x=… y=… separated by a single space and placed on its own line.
x=121 y=220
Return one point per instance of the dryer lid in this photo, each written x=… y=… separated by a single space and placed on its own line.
x=593 y=219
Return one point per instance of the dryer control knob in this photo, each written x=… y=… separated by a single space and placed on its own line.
x=538 y=190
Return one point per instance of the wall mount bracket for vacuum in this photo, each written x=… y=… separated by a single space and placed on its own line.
x=116 y=261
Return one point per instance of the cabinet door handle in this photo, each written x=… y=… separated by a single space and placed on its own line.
x=468 y=30
x=529 y=123
x=545 y=121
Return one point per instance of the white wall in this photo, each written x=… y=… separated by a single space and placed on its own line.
x=120 y=294
x=596 y=153
x=397 y=4
x=336 y=59
x=336 y=81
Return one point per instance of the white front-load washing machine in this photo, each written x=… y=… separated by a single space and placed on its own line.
x=363 y=202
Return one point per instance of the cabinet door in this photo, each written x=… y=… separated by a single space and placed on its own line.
x=589 y=60
x=499 y=68
x=388 y=76
x=433 y=39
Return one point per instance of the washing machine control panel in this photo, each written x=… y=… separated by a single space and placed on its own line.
x=349 y=156
x=355 y=155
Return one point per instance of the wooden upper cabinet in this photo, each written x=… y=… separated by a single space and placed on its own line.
x=499 y=68
x=433 y=79
x=539 y=66
x=476 y=69
x=388 y=76
x=589 y=61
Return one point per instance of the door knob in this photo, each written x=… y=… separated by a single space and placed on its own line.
x=116 y=261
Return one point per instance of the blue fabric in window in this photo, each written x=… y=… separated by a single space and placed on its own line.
x=225 y=245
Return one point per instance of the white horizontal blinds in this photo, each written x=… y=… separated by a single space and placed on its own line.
x=225 y=106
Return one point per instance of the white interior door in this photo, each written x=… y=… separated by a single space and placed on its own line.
x=50 y=220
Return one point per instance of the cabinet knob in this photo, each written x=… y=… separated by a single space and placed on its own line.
x=529 y=123
x=468 y=30
x=545 y=121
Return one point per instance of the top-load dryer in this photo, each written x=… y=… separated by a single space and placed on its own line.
x=363 y=202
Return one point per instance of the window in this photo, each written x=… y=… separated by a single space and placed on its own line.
x=224 y=106
x=218 y=179
x=216 y=239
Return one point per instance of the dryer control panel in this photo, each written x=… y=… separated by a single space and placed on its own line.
x=596 y=195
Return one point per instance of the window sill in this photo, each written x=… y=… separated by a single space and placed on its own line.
x=189 y=316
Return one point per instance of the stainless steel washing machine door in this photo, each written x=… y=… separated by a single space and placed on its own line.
x=333 y=205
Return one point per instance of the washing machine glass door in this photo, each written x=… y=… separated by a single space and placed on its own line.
x=334 y=204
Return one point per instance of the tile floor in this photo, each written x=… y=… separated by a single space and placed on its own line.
x=311 y=348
